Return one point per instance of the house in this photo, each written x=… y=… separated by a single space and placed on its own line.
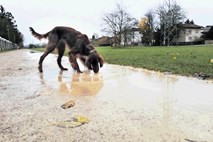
x=103 y=41
x=208 y=34
x=136 y=36
x=133 y=37
x=189 y=33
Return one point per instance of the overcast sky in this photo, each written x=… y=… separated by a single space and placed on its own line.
x=86 y=15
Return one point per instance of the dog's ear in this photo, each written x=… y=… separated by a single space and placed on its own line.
x=101 y=60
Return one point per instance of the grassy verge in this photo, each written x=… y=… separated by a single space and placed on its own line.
x=184 y=60
x=1 y=51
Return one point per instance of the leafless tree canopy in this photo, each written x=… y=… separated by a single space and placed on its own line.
x=118 y=24
x=170 y=14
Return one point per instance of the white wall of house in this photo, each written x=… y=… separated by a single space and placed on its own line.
x=189 y=35
x=137 y=37
x=192 y=34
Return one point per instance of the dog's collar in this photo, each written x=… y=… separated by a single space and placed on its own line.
x=92 y=51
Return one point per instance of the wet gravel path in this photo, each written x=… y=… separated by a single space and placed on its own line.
x=122 y=103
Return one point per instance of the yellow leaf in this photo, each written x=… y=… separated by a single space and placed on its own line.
x=72 y=123
x=82 y=119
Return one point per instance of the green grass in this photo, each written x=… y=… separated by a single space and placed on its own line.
x=184 y=60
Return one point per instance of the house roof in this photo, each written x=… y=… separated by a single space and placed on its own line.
x=191 y=26
x=207 y=29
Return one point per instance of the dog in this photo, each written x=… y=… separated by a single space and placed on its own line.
x=78 y=44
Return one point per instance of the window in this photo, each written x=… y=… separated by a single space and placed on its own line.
x=189 y=32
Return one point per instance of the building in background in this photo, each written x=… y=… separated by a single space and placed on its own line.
x=189 y=33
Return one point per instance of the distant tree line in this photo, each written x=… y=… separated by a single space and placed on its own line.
x=8 y=27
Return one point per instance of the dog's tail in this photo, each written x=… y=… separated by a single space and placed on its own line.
x=37 y=35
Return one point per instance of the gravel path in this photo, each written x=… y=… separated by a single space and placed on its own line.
x=122 y=103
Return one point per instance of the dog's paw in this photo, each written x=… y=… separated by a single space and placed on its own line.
x=79 y=71
x=40 y=69
x=64 y=69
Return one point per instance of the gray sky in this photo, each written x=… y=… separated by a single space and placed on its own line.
x=86 y=15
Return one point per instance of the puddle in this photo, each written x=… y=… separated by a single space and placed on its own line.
x=130 y=84
x=149 y=105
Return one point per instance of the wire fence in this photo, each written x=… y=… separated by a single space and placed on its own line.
x=7 y=45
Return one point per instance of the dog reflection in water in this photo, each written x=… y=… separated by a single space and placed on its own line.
x=84 y=84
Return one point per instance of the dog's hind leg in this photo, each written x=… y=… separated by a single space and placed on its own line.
x=48 y=50
x=53 y=40
x=61 y=49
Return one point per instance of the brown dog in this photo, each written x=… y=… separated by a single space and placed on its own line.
x=78 y=44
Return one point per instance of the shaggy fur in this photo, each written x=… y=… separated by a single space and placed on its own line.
x=78 y=44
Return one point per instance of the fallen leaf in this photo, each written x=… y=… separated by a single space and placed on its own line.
x=72 y=123
x=69 y=104
x=82 y=119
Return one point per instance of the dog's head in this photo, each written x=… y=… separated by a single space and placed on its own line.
x=94 y=60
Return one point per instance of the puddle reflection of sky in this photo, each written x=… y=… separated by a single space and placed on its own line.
x=131 y=84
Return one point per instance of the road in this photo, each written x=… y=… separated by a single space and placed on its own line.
x=123 y=104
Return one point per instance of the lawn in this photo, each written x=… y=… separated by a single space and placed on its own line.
x=184 y=60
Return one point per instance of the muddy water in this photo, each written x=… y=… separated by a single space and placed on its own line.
x=122 y=104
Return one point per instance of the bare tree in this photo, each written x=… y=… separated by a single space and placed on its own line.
x=170 y=14
x=127 y=32
x=150 y=16
x=146 y=26
x=119 y=23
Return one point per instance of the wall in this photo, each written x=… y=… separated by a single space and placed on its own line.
x=192 y=35
x=7 y=45
x=209 y=42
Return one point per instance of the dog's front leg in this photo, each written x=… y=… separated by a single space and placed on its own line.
x=74 y=63
x=82 y=58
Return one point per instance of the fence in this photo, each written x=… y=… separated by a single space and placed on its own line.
x=209 y=42
x=7 y=45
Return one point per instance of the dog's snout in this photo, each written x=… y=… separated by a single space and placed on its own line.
x=96 y=70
